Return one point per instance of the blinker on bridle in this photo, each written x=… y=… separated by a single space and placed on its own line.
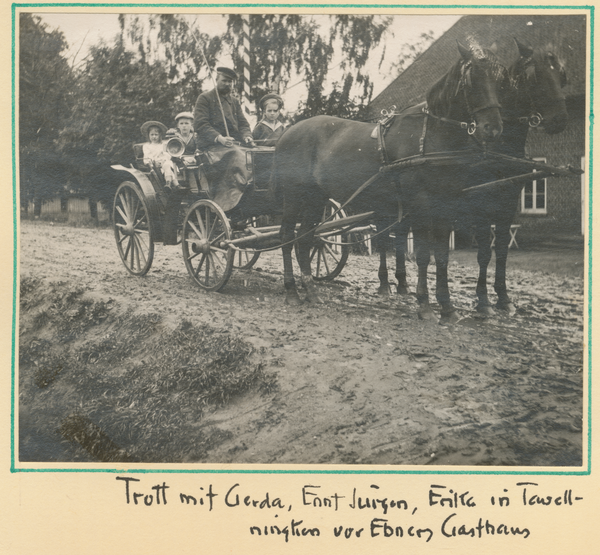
x=535 y=119
x=465 y=83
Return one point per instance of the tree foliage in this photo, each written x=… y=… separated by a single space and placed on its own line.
x=45 y=85
x=411 y=51
x=88 y=118
x=294 y=46
x=179 y=46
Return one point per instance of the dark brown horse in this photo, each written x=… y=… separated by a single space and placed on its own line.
x=326 y=157
x=534 y=99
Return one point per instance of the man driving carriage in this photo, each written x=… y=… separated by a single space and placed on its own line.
x=220 y=123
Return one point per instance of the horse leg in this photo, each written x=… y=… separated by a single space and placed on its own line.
x=484 y=255
x=441 y=238
x=400 y=246
x=312 y=216
x=287 y=235
x=502 y=242
x=379 y=242
x=422 y=254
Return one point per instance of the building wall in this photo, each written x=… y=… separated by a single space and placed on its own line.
x=563 y=194
x=71 y=209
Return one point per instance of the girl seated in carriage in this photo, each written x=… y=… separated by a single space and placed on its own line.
x=154 y=152
x=270 y=129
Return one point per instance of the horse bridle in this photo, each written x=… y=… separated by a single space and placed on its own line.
x=466 y=83
x=534 y=119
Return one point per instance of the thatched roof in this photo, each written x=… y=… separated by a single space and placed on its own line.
x=565 y=33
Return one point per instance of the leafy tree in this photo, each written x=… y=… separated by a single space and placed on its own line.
x=411 y=51
x=175 y=43
x=45 y=84
x=286 y=45
x=116 y=92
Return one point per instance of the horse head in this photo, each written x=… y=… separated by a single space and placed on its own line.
x=471 y=92
x=537 y=78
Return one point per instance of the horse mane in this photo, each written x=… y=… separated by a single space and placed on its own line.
x=441 y=97
x=525 y=68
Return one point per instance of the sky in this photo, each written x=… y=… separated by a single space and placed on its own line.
x=83 y=30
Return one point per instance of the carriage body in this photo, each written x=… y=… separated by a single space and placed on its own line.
x=146 y=213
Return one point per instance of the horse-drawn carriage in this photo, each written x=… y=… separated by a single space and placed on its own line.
x=145 y=212
x=436 y=154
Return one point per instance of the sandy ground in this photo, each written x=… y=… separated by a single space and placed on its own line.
x=361 y=379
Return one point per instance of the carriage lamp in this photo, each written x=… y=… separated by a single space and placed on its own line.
x=174 y=146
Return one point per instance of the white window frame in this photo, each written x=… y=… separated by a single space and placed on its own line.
x=535 y=210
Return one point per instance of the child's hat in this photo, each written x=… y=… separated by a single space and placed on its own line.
x=271 y=96
x=186 y=115
x=146 y=127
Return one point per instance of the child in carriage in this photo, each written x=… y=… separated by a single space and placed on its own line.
x=154 y=153
x=270 y=129
x=184 y=131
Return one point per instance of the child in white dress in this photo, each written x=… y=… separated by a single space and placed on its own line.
x=154 y=152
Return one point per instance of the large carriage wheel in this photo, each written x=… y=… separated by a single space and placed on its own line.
x=133 y=229
x=207 y=259
x=329 y=252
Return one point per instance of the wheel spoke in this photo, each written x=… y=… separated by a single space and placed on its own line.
x=125 y=255
x=141 y=241
x=207 y=270
x=217 y=238
x=199 y=228
x=323 y=255
x=199 y=267
x=196 y=230
x=141 y=220
x=212 y=226
x=332 y=253
x=135 y=204
x=140 y=248
x=120 y=210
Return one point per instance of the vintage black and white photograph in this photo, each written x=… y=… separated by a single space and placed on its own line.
x=310 y=239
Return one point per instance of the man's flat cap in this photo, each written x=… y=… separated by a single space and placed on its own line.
x=227 y=72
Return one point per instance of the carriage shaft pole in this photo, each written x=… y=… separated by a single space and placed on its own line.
x=525 y=177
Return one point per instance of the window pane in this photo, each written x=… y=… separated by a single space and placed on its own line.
x=528 y=196
x=540 y=194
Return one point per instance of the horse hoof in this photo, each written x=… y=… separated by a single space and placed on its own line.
x=450 y=318
x=402 y=290
x=508 y=308
x=313 y=298
x=485 y=311
x=427 y=314
x=384 y=291
x=293 y=299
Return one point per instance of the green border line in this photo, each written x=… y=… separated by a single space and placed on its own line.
x=16 y=214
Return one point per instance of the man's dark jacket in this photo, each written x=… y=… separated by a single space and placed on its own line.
x=208 y=119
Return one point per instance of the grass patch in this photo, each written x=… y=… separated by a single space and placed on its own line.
x=123 y=386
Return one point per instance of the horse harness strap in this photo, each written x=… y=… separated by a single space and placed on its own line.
x=380 y=131
x=469 y=127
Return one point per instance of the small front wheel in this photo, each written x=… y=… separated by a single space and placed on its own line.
x=133 y=229
x=208 y=258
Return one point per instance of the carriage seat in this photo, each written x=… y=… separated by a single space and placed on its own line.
x=187 y=175
x=138 y=152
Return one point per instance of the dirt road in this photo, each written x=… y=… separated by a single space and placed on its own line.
x=360 y=379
